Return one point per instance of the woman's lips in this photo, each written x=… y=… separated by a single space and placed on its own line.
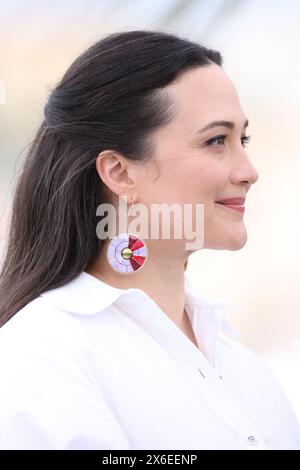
x=233 y=203
x=234 y=207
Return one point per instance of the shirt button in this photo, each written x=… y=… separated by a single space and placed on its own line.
x=252 y=440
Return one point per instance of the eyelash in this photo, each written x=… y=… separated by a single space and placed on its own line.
x=244 y=139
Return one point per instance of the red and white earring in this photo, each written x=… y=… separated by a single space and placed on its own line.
x=126 y=253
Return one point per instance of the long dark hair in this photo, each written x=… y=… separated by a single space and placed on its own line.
x=111 y=97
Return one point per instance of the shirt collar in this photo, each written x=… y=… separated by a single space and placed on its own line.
x=208 y=319
x=87 y=295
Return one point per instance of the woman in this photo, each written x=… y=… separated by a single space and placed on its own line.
x=92 y=358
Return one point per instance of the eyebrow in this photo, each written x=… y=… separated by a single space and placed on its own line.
x=228 y=124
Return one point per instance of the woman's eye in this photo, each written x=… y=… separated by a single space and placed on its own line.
x=245 y=139
x=220 y=140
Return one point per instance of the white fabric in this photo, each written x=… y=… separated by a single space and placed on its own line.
x=90 y=366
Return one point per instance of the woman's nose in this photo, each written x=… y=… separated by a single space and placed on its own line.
x=244 y=171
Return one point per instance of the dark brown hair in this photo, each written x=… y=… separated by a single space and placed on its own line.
x=111 y=97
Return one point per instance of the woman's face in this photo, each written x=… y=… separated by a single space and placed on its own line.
x=203 y=167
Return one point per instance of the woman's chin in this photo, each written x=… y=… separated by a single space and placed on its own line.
x=229 y=242
x=237 y=244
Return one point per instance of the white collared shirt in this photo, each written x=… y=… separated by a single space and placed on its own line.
x=90 y=366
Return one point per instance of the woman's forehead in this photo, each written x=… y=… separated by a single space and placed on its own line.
x=203 y=87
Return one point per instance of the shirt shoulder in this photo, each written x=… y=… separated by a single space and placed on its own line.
x=45 y=376
x=34 y=326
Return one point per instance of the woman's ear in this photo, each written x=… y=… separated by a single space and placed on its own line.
x=113 y=170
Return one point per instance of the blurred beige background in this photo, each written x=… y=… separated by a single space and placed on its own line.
x=260 y=44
